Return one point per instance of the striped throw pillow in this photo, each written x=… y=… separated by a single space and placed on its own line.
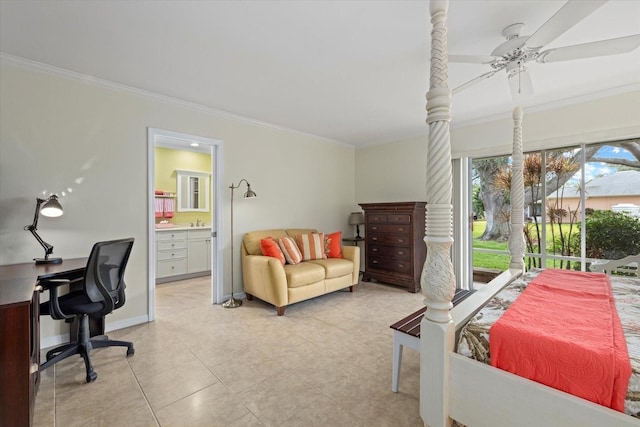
x=290 y=250
x=311 y=246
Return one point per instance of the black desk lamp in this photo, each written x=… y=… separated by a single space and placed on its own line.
x=48 y=207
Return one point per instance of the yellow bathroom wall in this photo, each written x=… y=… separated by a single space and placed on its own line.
x=166 y=162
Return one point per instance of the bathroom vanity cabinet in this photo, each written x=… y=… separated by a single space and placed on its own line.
x=182 y=253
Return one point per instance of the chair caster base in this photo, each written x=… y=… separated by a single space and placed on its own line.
x=130 y=351
x=91 y=377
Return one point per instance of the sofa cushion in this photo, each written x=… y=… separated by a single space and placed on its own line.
x=311 y=246
x=303 y=274
x=334 y=267
x=290 y=250
x=269 y=247
x=251 y=240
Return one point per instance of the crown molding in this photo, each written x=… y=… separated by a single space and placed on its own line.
x=29 y=64
x=633 y=87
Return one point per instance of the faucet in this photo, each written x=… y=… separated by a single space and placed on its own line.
x=198 y=222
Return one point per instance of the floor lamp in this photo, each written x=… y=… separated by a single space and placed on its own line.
x=249 y=194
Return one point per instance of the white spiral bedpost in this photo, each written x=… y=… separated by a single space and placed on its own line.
x=438 y=278
x=516 y=237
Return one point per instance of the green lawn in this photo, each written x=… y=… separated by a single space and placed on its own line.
x=488 y=260
x=497 y=261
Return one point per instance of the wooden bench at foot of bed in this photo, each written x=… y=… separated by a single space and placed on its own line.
x=406 y=332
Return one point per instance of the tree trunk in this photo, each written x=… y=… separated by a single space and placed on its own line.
x=493 y=198
x=497 y=216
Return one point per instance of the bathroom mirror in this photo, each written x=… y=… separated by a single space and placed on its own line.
x=193 y=191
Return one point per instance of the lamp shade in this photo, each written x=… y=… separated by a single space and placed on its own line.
x=250 y=194
x=356 y=218
x=51 y=207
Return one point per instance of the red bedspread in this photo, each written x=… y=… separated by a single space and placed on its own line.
x=564 y=332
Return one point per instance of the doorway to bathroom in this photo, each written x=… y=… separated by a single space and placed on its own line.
x=184 y=190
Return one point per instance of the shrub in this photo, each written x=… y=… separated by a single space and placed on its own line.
x=611 y=235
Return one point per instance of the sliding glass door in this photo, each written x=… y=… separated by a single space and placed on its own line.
x=582 y=204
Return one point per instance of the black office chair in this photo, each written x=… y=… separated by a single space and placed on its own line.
x=102 y=292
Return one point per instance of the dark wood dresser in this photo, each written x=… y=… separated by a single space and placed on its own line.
x=394 y=243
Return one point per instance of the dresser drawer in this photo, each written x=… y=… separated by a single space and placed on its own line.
x=399 y=218
x=389 y=264
x=397 y=252
x=171 y=267
x=171 y=254
x=388 y=239
x=178 y=244
x=168 y=236
x=389 y=228
x=375 y=217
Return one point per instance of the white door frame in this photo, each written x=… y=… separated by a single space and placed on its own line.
x=182 y=141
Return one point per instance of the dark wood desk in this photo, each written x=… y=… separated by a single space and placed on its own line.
x=20 y=334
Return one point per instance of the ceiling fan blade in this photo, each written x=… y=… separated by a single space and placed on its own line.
x=589 y=50
x=474 y=81
x=569 y=15
x=473 y=59
x=520 y=84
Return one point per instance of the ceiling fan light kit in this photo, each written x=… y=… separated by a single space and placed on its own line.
x=517 y=50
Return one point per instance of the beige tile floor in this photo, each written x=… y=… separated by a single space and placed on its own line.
x=326 y=362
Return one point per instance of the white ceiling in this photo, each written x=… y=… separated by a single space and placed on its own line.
x=350 y=71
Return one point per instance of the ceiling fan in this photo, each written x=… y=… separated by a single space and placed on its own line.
x=518 y=49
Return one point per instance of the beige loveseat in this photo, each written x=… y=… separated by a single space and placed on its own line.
x=267 y=279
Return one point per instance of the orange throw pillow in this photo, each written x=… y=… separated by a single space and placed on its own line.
x=269 y=247
x=333 y=245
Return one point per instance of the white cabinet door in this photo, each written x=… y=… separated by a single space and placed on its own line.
x=199 y=250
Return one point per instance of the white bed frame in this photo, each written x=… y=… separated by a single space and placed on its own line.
x=454 y=387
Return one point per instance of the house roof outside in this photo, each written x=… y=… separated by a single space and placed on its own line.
x=624 y=183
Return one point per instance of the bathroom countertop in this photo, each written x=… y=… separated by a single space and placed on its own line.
x=181 y=227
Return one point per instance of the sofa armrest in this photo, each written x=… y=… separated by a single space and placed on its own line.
x=352 y=253
x=264 y=278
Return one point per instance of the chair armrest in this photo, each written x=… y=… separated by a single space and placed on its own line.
x=264 y=277
x=52 y=286
x=352 y=253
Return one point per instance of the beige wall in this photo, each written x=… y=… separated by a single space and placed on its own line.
x=397 y=171
x=88 y=143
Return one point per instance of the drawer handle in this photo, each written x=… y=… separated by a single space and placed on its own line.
x=374 y=228
x=400 y=229
x=173 y=267
x=374 y=238
x=400 y=252
x=374 y=250
x=374 y=262
x=400 y=240
x=401 y=265
x=173 y=254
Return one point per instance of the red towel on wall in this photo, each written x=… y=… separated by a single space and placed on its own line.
x=564 y=331
x=169 y=208
x=159 y=208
